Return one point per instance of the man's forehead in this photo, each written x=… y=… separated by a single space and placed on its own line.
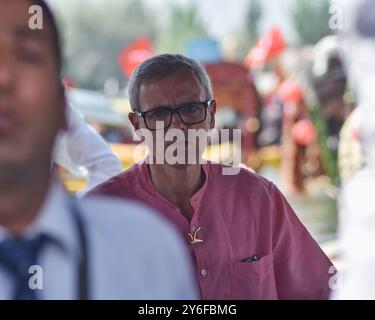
x=15 y=20
x=182 y=86
x=16 y=11
x=175 y=81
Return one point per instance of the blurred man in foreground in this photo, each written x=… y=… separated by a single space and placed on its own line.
x=51 y=246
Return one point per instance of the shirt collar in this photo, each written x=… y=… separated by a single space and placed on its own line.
x=195 y=199
x=55 y=221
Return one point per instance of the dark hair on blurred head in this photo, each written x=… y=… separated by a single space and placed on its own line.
x=49 y=16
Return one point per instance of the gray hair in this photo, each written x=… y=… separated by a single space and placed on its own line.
x=162 y=66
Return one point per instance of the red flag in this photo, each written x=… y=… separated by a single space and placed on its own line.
x=134 y=54
x=68 y=82
x=290 y=92
x=268 y=47
x=304 y=132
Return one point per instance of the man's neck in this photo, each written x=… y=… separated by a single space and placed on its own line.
x=178 y=185
x=21 y=203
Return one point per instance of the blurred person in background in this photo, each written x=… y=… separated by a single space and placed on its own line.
x=357 y=211
x=357 y=220
x=350 y=155
x=82 y=151
x=51 y=245
x=330 y=84
x=298 y=133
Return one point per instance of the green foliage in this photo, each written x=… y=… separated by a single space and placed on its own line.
x=252 y=18
x=95 y=33
x=183 y=23
x=329 y=160
x=249 y=33
x=310 y=19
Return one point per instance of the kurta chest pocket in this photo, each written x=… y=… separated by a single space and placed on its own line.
x=253 y=280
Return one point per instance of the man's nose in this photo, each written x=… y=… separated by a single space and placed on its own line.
x=6 y=74
x=176 y=122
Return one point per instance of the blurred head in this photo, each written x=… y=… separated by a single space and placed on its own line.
x=328 y=70
x=161 y=67
x=32 y=103
x=169 y=82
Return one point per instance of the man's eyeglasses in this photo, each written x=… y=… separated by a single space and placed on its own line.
x=189 y=113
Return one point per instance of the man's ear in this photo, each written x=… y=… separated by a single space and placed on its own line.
x=134 y=120
x=212 y=111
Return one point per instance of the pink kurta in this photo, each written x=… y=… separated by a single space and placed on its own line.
x=241 y=216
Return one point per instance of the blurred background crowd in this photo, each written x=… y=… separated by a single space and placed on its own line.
x=277 y=73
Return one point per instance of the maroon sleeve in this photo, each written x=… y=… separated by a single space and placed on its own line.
x=109 y=188
x=302 y=270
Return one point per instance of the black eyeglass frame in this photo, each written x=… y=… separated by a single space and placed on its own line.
x=172 y=111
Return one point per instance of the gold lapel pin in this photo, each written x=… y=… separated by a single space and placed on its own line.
x=193 y=238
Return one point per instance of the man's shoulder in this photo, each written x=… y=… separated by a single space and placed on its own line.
x=124 y=220
x=120 y=182
x=127 y=235
x=117 y=222
x=239 y=175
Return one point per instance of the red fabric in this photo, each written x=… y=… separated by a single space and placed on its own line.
x=69 y=83
x=304 y=132
x=134 y=54
x=290 y=92
x=269 y=46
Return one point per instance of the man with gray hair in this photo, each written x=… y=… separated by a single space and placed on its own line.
x=245 y=239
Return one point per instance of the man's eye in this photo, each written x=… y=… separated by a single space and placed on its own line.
x=160 y=114
x=190 y=108
x=29 y=56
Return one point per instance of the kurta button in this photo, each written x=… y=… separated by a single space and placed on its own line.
x=203 y=272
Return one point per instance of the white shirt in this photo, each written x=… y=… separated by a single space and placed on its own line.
x=82 y=151
x=357 y=237
x=132 y=253
x=357 y=218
